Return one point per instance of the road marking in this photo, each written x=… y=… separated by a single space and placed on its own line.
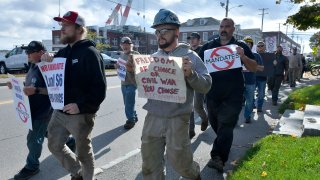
x=120 y=159
x=112 y=87
x=6 y=102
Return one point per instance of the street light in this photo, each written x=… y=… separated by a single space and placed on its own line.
x=227 y=7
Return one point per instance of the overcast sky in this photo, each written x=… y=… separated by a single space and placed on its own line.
x=24 y=20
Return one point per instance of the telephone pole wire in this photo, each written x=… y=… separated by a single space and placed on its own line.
x=263 y=13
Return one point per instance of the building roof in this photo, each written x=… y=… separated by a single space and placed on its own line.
x=205 y=21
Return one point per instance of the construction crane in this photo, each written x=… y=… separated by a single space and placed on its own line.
x=114 y=15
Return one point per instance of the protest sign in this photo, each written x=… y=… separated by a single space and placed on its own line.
x=222 y=58
x=271 y=43
x=160 y=78
x=20 y=102
x=121 y=69
x=53 y=75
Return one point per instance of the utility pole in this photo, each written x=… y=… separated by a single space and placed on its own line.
x=263 y=13
x=287 y=29
x=227 y=8
x=279 y=35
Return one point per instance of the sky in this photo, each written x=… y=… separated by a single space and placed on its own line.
x=27 y=20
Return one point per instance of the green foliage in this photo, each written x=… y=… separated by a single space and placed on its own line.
x=94 y=37
x=298 y=99
x=281 y=157
x=307 y=17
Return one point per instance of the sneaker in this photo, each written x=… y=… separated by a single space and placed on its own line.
x=259 y=110
x=26 y=173
x=191 y=134
x=129 y=124
x=204 y=125
x=248 y=120
x=216 y=163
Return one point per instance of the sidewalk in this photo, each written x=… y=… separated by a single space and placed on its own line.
x=4 y=80
x=245 y=135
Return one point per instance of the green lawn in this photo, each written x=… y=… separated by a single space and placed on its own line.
x=281 y=157
x=300 y=97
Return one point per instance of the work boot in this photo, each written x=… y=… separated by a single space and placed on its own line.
x=248 y=120
x=25 y=174
x=216 y=163
x=191 y=134
x=274 y=103
x=129 y=124
x=76 y=177
x=204 y=125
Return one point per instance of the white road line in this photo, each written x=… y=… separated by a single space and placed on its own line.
x=112 y=87
x=6 y=102
x=120 y=159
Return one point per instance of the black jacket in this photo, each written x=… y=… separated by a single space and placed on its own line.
x=85 y=81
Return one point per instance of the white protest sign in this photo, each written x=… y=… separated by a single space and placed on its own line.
x=53 y=74
x=271 y=43
x=222 y=58
x=121 y=69
x=21 y=102
x=285 y=49
x=160 y=78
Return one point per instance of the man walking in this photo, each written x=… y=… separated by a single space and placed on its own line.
x=295 y=64
x=166 y=124
x=224 y=100
x=35 y=89
x=85 y=89
x=128 y=86
x=250 y=83
x=199 y=98
x=261 y=81
x=280 y=66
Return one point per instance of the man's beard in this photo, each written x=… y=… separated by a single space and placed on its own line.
x=68 y=39
x=167 y=44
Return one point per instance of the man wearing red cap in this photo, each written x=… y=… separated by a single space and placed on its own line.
x=84 y=91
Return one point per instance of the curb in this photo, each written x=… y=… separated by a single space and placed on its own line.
x=107 y=75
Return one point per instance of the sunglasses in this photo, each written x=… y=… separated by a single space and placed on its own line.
x=30 y=52
x=260 y=46
x=163 y=31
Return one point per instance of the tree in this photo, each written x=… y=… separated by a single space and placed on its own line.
x=315 y=42
x=308 y=16
x=97 y=39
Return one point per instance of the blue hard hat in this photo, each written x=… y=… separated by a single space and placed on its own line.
x=165 y=16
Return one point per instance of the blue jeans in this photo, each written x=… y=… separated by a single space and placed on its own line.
x=248 y=95
x=261 y=85
x=34 y=142
x=129 y=99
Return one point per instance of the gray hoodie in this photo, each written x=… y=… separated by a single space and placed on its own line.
x=200 y=81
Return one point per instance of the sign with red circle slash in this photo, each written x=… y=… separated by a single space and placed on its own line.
x=222 y=58
x=20 y=102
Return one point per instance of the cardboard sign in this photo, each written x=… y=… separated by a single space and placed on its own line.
x=53 y=74
x=20 y=102
x=267 y=59
x=285 y=49
x=121 y=69
x=222 y=58
x=160 y=78
x=271 y=43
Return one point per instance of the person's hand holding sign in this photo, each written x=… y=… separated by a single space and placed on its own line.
x=240 y=51
x=71 y=108
x=187 y=66
x=130 y=65
x=47 y=57
x=29 y=90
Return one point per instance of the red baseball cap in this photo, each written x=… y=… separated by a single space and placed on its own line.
x=72 y=17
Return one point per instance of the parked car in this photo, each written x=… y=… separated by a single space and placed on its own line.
x=109 y=62
x=113 y=54
x=15 y=60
